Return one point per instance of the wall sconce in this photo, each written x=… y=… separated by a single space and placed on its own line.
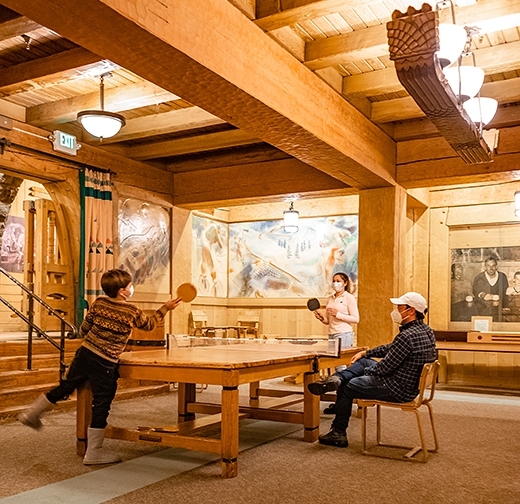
x=290 y=219
x=414 y=43
x=100 y=123
x=517 y=203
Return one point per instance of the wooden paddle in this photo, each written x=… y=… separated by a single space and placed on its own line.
x=187 y=292
x=313 y=304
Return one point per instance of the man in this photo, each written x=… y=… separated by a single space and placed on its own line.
x=489 y=289
x=395 y=378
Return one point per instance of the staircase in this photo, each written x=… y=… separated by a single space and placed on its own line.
x=19 y=387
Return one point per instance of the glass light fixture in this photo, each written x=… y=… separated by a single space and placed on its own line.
x=481 y=110
x=100 y=123
x=290 y=219
x=517 y=203
x=452 y=39
x=467 y=83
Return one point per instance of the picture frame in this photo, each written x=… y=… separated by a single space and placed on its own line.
x=481 y=324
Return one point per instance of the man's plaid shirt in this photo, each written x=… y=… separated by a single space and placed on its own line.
x=404 y=358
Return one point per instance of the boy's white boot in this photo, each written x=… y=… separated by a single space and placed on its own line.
x=96 y=454
x=31 y=416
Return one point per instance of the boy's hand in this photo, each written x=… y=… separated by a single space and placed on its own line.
x=172 y=303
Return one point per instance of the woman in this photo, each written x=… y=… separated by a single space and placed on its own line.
x=341 y=311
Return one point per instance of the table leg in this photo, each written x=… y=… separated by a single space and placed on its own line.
x=254 y=398
x=311 y=410
x=229 y=431
x=83 y=417
x=187 y=394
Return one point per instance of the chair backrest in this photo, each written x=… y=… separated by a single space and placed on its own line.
x=197 y=320
x=249 y=319
x=427 y=382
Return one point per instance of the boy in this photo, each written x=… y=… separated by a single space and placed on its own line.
x=106 y=329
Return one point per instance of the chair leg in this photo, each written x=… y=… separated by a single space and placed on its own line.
x=422 y=448
x=434 y=432
x=378 y=424
x=364 y=412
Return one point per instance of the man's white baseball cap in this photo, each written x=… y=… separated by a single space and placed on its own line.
x=413 y=299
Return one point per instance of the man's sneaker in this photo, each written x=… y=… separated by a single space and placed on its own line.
x=334 y=438
x=327 y=385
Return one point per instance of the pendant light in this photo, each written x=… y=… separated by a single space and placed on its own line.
x=290 y=219
x=101 y=123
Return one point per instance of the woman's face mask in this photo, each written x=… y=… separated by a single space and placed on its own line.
x=338 y=286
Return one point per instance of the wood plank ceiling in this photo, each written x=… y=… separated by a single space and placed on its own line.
x=249 y=99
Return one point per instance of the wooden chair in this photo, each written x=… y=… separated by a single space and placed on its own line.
x=250 y=320
x=198 y=320
x=426 y=393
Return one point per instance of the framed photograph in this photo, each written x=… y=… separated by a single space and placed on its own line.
x=482 y=324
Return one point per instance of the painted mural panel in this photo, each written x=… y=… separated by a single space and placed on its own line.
x=266 y=262
x=144 y=244
x=13 y=242
x=209 y=256
x=485 y=282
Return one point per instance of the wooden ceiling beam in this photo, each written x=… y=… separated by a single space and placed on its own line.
x=423 y=128
x=18 y=25
x=272 y=16
x=501 y=58
x=372 y=42
x=30 y=144
x=118 y=99
x=401 y=109
x=188 y=145
x=44 y=67
x=432 y=162
x=257 y=153
x=275 y=101
x=191 y=118
x=237 y=184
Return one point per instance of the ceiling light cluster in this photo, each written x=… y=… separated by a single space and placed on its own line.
x=464 y=80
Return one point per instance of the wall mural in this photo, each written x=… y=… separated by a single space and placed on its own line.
x=13 y=243
x=485 y=282
x=266 y=262
x=144 y=244
x=209 y=256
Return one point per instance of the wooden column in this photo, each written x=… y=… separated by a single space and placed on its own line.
x=381 y=261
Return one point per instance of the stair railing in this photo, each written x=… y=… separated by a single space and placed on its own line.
x=29 y=320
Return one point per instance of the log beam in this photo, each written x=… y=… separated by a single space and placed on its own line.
x=274 y=101
x=245 y=184
x=431 y=162
x=31 y=155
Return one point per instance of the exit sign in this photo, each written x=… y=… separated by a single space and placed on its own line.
x=63 y=142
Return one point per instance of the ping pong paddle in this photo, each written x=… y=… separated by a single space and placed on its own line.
x=187 y=292
x=313 y=304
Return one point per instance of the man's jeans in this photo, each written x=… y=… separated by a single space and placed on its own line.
x=355 y=384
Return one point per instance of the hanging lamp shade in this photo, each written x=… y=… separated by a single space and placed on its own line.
x=290 y=219
x=481 y=110
x=100 y=123
x=452 y=39
x=470 y=82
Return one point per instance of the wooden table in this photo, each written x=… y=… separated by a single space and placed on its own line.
x=227 y=366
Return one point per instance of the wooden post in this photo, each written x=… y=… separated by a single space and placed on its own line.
x=381 y=261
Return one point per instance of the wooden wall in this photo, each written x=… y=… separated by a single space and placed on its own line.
x=473 y=217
